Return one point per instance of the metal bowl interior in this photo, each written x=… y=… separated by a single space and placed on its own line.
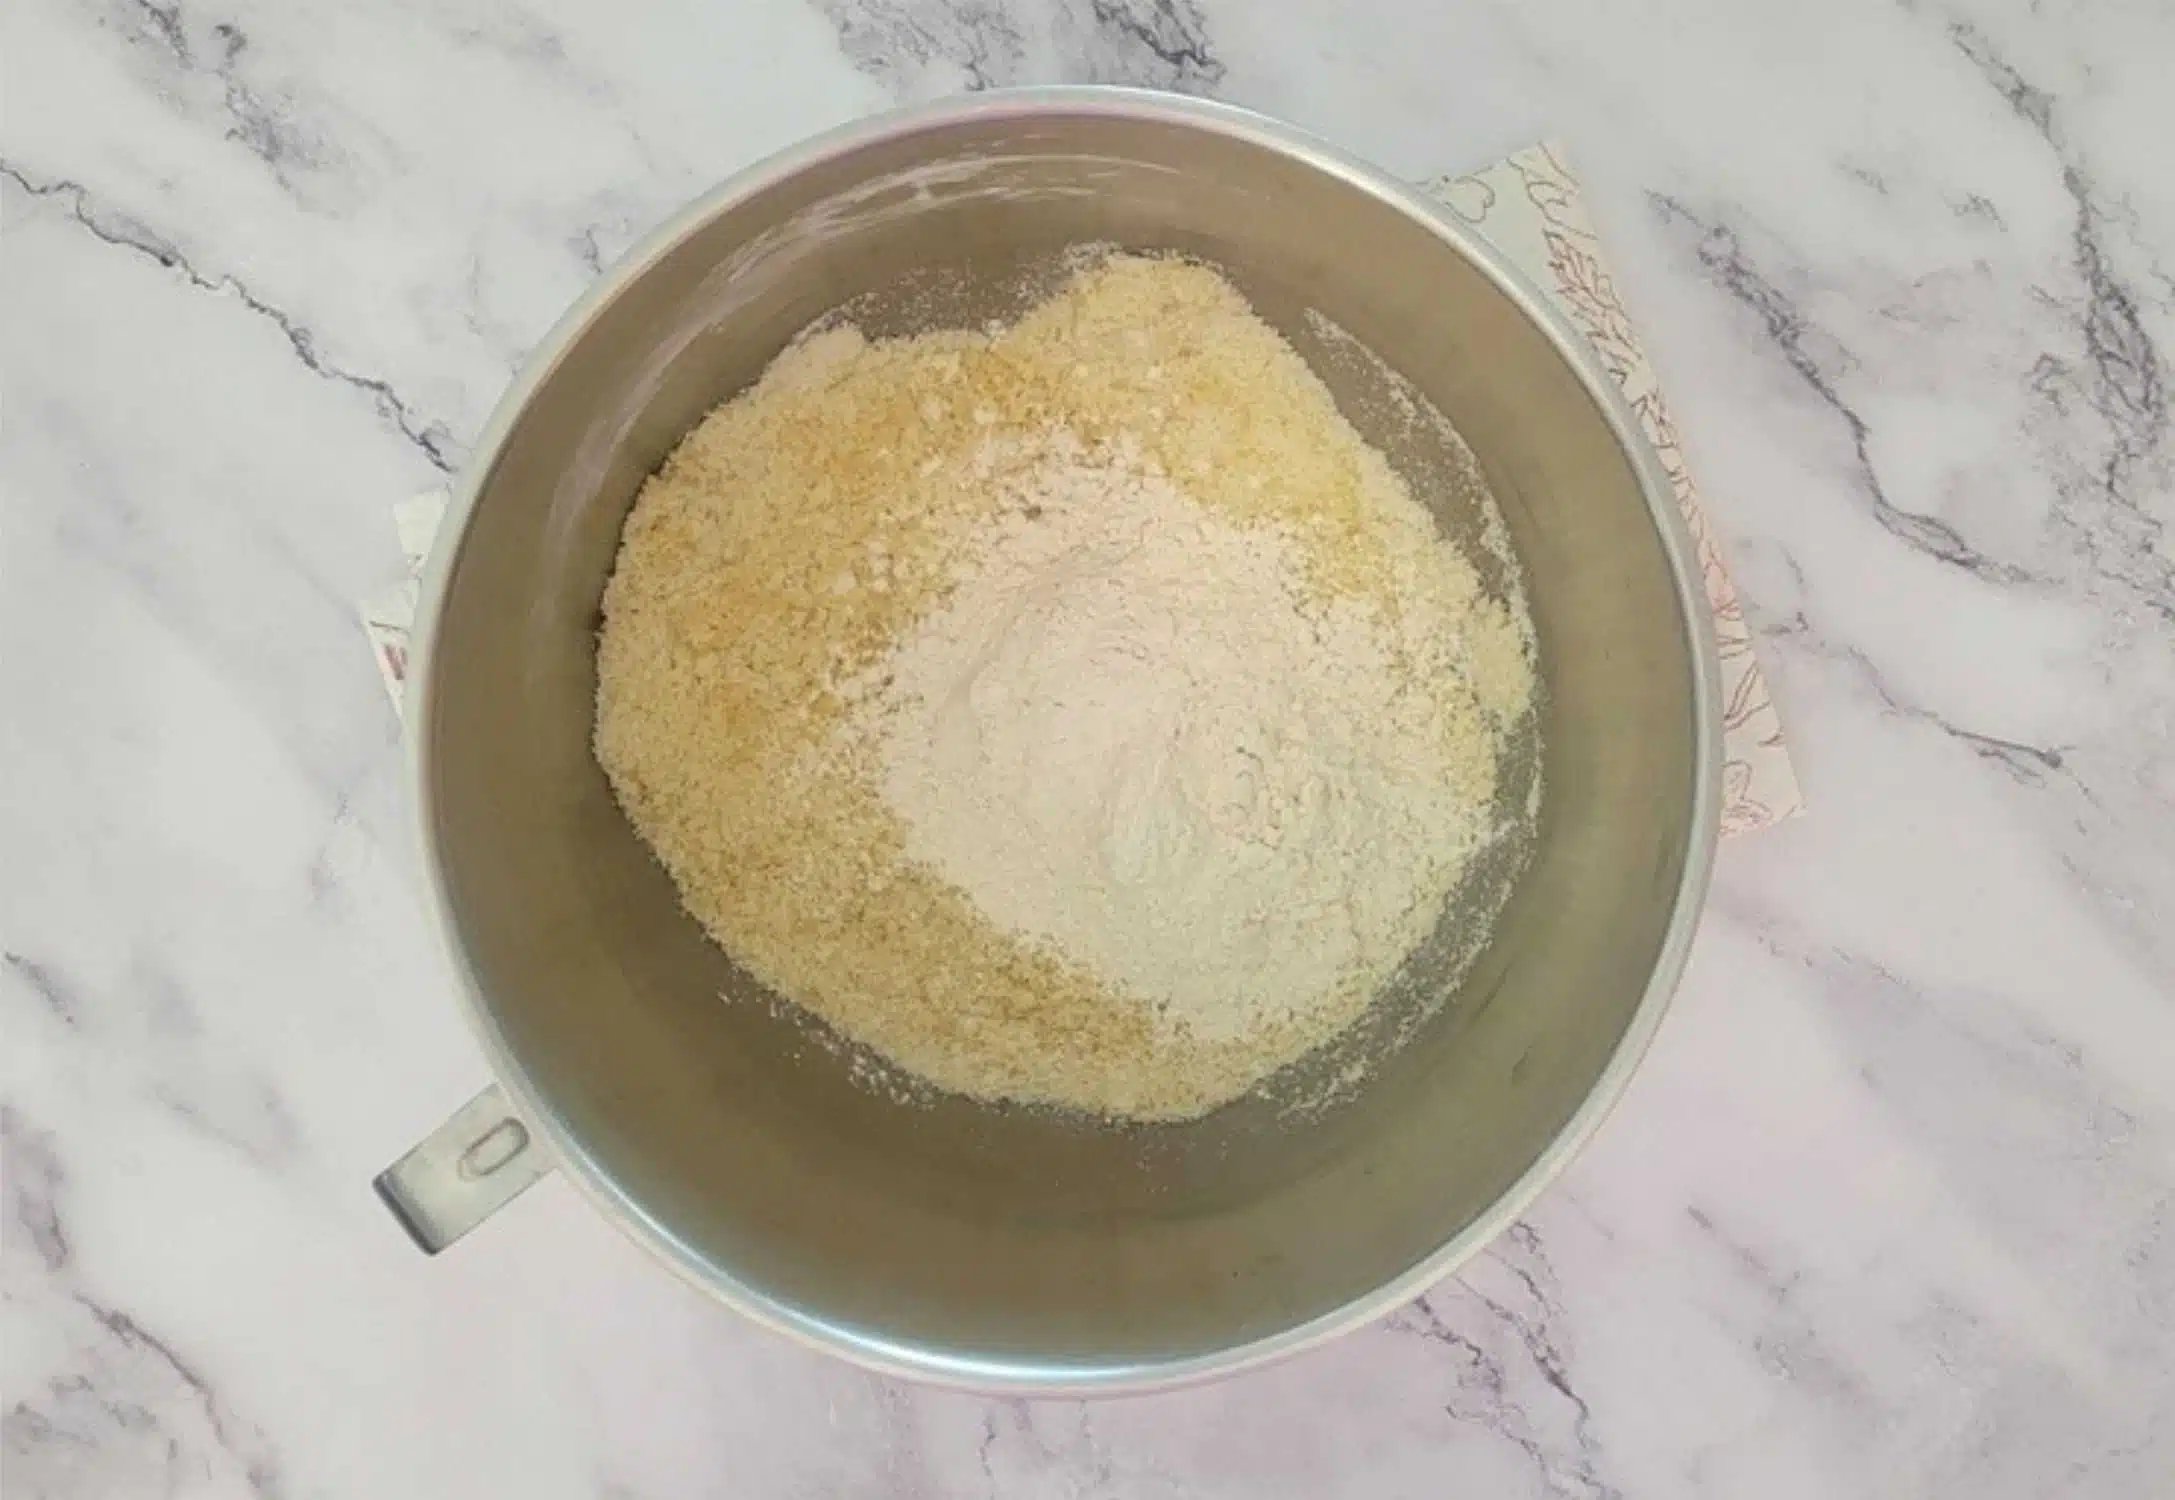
x=998 y=1247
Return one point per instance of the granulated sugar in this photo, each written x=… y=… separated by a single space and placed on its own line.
x=1077 y=713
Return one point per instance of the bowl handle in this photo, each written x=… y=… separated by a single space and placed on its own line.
x=463 y=1172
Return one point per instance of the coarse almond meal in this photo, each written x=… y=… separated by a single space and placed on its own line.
x=1077 y=713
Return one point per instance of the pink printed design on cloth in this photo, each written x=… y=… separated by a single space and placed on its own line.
x=1529 y=207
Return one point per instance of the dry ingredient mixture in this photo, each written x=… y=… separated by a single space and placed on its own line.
x=1077 y=712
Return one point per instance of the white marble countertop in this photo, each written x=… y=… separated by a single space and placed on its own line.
x=1889 y=1211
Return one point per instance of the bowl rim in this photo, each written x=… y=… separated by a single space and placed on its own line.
x=1013 y=1375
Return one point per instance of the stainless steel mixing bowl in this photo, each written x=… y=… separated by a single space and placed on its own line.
x=991 y=1247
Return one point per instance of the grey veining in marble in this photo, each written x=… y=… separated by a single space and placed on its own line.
x=1891 y=1209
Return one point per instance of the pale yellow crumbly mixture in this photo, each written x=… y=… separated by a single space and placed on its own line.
x=803 y=525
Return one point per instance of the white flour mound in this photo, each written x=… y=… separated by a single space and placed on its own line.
x=1132 y=732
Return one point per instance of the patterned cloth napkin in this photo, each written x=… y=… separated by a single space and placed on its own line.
x=1528 y=206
